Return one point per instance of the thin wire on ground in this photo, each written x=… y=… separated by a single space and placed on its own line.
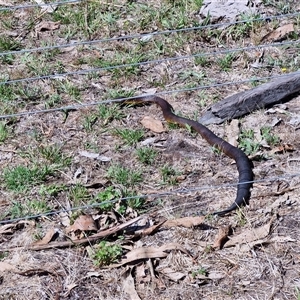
x=167 y=92
x=162 y=194
x=143 y=35
x=139 y=36
x=155 y=61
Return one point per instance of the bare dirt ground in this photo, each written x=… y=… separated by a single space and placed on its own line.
x=252 y=253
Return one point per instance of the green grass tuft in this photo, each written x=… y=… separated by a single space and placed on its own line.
x=105 y=253
x=20 y=178
x=124 y=176
x=146 y=155
x=130 y=136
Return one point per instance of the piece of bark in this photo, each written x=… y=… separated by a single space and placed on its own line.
x=265 y=95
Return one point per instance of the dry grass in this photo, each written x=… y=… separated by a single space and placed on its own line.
x=54 y=141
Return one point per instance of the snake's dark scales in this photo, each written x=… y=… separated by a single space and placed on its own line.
x=244 y=165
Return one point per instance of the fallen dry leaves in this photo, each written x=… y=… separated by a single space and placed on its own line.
x=149 y=230
x=279 y=33
x=282 y=148
x=222 y=237
x=83 y=223
x=153 y=124
x=171 y=274
x=47 y=25
x=129 y=286
x=141 y=273
x=69 y=243
x=251 y=236
x=233 y=131
x=47 y=238
x=187 y=222
x=10 y=228
x=149 y=252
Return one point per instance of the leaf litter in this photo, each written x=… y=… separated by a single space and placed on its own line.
x=211 y=255
x=153 y=124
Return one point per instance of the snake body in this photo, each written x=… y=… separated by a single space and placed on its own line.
x=244 y=165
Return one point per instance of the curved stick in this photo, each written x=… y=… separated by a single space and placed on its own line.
x=244 y=165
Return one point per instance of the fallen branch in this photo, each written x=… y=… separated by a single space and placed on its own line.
x=71 y=243
x=240 y=104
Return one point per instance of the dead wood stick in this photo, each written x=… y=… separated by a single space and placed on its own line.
x=70 y=243
x=240 y=104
